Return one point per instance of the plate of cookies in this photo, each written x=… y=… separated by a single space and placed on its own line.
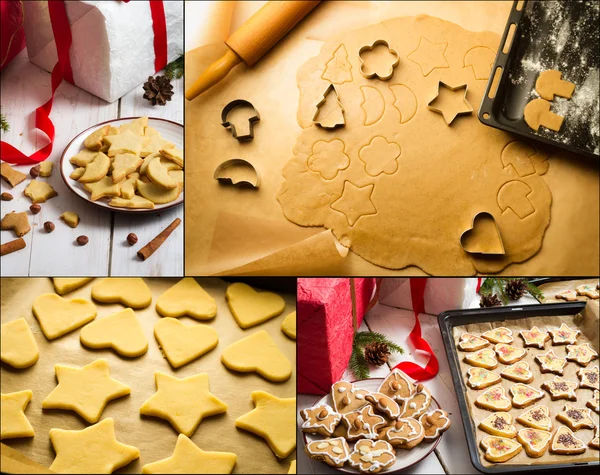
x=374 y=425
x=133 y=164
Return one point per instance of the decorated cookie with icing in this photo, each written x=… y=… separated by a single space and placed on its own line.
x=508 y=354
x=550 y=363
x=384 y=405
x=564 y=442
x=588 y=291
x=518 y=372
x=397 y=385
x=594 y=403
x=568 y=295
x=494 y=399
x=500 y=449
x=535 y=441
x=417 y=404
x=534 y=337
x=589 y=378
x=581 y=354
x=537 y=417
x=560 y=389
x=483 y=359
x=523 y=395
x=371 y=456
x=347 y=398
x=363 y=423
x=320 y=419
x=434 y=424
x=564 y=335
x=499 y=335
x=480 y=378
x=470 y=342
x=404 y=434
x=334 y=452
x=595 y=442
x=576 y=418
x=499 y=424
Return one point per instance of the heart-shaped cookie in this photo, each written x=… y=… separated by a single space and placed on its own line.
x=550 y=363
x=499 y=424
x=534 y=337
x=500 y=449
x=120 y=331
x=576 y=418
x=187 y=297
x=484 y=237
x=470 y=342
x=480 y=378
x=181 y=343
x=523 y=395
x=485 y=358
x=508 y=354
x=347 y=398
x=258 y=352
x=64 y=285
x=58 y=316
x=564 y=442
x=537 y=417
x=397 y=385
x=494 y=399
x=417 y=404
x=499 y=335
x=129 y=291
x=535 y=441
x=250 y=307
x=518 y=372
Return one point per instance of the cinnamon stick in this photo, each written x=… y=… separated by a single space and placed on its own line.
x=149 y=249
x=12 y=246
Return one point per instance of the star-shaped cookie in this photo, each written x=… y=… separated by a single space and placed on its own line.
x=126 y=142
x=85 y=390
x=564 y=335
x=91 y=450
x=189 y=458
x=355 y=202
x=576 y=418
x=534 y=337
x=320 y=419
x=429 y=56
x=550 y=363
x=183 y=402
x=589 y=378
x=273 y=419
x=13 y=421
x=560 y=389
x=581 y=354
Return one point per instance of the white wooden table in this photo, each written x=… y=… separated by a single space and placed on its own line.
x=25 y=87
x=452 y=454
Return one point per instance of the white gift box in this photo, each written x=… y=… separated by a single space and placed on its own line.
x=113 y=42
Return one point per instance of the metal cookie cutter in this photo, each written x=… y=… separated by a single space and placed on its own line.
x=467 y=111
x=481 y=251
x=332 y=124
x=374 y=74
x=248 y=177
x=254 y=118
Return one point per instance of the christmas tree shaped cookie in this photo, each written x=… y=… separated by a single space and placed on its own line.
x=499 y=424
x=564 y=442
x=535 y=441
x=537 y=417
x=518 y=372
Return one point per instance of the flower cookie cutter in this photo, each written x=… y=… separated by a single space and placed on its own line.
x=374 y=74
x=251 y=120
x=467 y=111
x=246 y=176
x=470 y=250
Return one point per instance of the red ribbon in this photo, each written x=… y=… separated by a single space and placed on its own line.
x=479 y=282
x=62 y=70
x=417 y=293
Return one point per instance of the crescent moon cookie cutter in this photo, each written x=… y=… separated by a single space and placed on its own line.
x=374 y=74
x=251 y=120
x=252 y=178
x=465 y=234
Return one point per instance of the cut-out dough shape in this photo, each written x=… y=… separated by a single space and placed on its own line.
x=58 y=316
x=183 y=402
x=85 y=390
x=550 y=84
x=380 y=156
x=514 y=195
x=13 y=421
x=258 y=353
x=273 y=419
x=518 y=156
x=187 y=298
x=450 y=102
x=91 y=450
x=480 y=59
x=65 y=285
x=537 y=113
x=429 y=56
x=17 y=344
x=189 y=458
x=338 y=69
x=288 y=327
x=329 y=112
x=328 y=158
x=183 y=343
x=483 y=237
x=378 y=60
x=237 y=171
x=129 y=291
x=292 y=467
x=355 y=202
x=406 y=101
x=120 y=331
x=249 y=307
x=373 y=104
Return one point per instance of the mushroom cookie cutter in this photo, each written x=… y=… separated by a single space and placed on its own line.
x=247 y=176
x=374 y=74
x=324 y=124
x=482 y=251
x=468 y=107
x=254 y=118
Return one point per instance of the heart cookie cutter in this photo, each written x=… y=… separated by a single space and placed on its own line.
x=366 y=48
x=221 y=173
x=330 y=88
x=456 y=88
x=251 y=120
x=482 y=252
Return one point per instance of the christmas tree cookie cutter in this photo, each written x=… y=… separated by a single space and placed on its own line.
x=385 y=75
x=238 y=172
x=335 y=123
x=491 y=237
x=468 y=107
x=255 y=117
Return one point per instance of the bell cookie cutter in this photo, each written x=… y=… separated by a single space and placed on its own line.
x=221 y=173
x=374 y=73
x=251 y=120
x=322 y=101
x=457 y=88
x=482 y=253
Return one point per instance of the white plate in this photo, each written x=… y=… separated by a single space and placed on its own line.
x=404 y=458
x=171 y=131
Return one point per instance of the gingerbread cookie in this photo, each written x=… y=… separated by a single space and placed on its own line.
x=483 y=358
x=384 y=405
x=537 y=417
x=576 y=418
x=535 y=441
x=550 y=363
x=11 y=176
x=564 y=335
x=595 y=442
x=334 y=452
x=594 y=403
x=372 y=456
x=523 y=395
x=588 y=291
x=469 y=342
x=581 y=354
x=534 y=337
x=404 y=433
x=494 y=399
x=560 y=389
x=568 y=295
x=518 y=372
x=480 y=378
x=320 y=419
x=589 y=378
x=363 y=423
x=18 y=222
x=417 y=404
x=434 y=424
x=347 y=398
x=500 y=449
x=564 y=442
x=499 y=424
x=508 y=354
x=397 y=385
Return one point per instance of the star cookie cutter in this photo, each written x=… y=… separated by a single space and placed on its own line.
x=456 y=88
x=251 y=120
x=371 y=48
x=223 y=176
x=479 y=252
x=323 y=101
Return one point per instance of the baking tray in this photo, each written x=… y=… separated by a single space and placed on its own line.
x=549 y=35
x=452 y=318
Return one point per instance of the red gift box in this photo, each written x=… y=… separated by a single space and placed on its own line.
x=12 y=36
x=324 y=312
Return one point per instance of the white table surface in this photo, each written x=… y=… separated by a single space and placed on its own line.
x=25 y=87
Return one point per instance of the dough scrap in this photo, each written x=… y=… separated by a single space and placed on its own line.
x=13 y=421
x=289 y=325
x=17 y=344
x=58 y=316
x=64 y=285
x=258 y=353
x=129 y=291
x=187 y=298
x=183 y=343
x=250 y=307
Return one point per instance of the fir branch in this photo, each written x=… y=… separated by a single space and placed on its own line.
x=495 y=285
x=534 y=291
x=4 y=125
x=362 y=339
x=175 y=68
x=358 y=363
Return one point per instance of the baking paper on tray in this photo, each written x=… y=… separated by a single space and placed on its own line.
x=154 y=437
x=587 y=322
x=552 y=288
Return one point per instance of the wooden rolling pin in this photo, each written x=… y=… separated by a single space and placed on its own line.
x=255 y=37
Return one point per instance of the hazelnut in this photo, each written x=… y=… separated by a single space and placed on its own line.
x=35 y=208
x=49 y=226
x=82 y=240
x=6 y=196
x=35 y=171
x=132 y=238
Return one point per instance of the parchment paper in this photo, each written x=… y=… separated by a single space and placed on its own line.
x=587 y=322
x=552 y=288
x=154 y=437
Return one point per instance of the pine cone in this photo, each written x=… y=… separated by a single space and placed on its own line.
x=377 y=353
x=516 y=288
x=491 y=300
x=158 y=90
